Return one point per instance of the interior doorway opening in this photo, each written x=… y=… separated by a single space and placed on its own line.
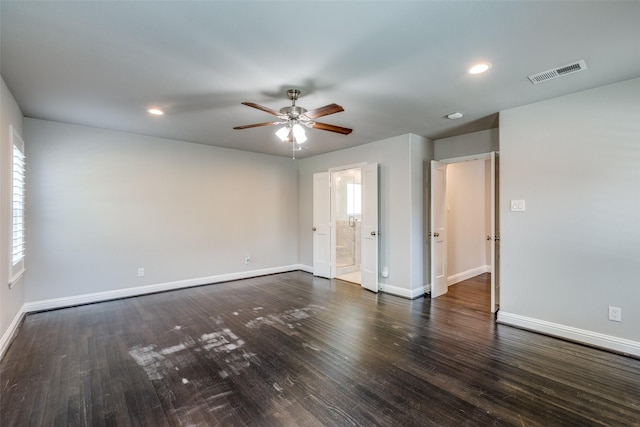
x=468 y=201
x=360 y=201
x=465 y=237
x=347 y=213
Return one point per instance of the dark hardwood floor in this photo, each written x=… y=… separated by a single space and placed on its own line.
x=291 y=349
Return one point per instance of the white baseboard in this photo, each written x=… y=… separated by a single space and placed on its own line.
x=620 y=345
x=459 y=277
x=149 y=289
x=386 y=288
x=305 y=268
x=402 y=292
x=11 y=331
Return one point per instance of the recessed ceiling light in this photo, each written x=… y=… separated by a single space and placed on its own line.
x=155 y=111
x=479 y=68
x=455 y=116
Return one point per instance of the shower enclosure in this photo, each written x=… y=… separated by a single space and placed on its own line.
x=348 y=215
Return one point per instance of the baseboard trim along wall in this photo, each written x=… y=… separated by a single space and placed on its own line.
x=403 y=292
x=389 y=289
x=459 y=277
x=596 y=339
x=11 y=331
x=150 y=289
x=306 y=268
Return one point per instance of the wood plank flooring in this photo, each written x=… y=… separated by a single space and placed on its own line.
x=294 y=350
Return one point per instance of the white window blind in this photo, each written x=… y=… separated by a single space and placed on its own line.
x=18 y=231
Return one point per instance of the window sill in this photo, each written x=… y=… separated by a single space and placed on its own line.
x=16 y=277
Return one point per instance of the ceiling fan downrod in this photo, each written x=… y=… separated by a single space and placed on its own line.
x=293 y=95
x=292 y=112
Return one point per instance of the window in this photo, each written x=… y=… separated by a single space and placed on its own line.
x=17 y=207
x=353 y=199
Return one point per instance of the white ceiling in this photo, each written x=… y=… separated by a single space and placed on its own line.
x=396 y=67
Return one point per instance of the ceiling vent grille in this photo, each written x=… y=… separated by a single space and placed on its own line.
x=558 y=72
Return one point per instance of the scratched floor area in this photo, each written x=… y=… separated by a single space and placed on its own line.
x=294 y=350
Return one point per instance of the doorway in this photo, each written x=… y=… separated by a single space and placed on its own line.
x=359 y=201
x=468 y=220
x=347 y=185
x=455 y=254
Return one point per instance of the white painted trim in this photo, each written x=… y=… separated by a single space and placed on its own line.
x=11 y=331
x=459 y=277
x=403 y=292
x=483 y=156
x=149 y=289
x=347 y=167
x=306 y=268
x=574 y=334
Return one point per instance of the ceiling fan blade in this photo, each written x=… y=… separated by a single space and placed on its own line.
x=262 y=108
x=331 y=128
x=323 y=111
x=255 y=125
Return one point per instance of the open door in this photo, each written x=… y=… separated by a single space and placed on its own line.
x=495 y=234
x=369 y=237
x=438 y=229
x=321 y=225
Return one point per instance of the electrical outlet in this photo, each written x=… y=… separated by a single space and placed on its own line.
x=140 y=272
x=615 y=314
x=247 y=259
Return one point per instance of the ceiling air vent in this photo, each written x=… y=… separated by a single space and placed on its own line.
x=558 y=72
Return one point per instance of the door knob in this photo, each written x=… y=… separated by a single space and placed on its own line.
x=436 y=234
x=373 y=233
x=488 y=237
x=313 y=228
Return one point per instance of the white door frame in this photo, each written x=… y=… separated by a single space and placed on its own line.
x=495 y=225
x=495 y=232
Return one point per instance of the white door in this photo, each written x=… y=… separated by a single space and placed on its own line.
x=369 y=237
x=321 y=225
x=438 y=229
x=495 y=235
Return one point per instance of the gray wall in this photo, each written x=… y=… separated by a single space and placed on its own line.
x=103 y=203
x=11 y=300
x=576 y=249
x=401 y=190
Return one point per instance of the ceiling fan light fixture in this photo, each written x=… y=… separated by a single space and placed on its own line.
x=283 y=133
x=298 y=133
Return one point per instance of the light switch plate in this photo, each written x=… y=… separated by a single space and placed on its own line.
x=517 y=206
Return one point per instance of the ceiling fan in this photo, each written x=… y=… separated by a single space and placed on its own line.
x=294 y=117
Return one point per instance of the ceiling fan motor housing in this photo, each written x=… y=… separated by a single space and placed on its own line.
x=293 y=111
